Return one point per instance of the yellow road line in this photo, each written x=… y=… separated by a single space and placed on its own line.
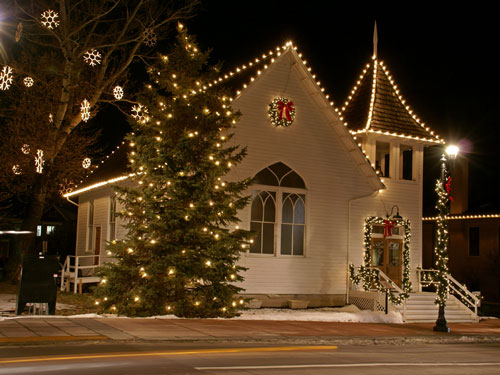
x=50 y=338
x=169 y=353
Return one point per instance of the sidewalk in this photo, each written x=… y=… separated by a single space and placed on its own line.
x=41 y=329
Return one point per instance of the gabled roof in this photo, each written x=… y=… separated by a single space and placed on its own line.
x=376 y=106
x=118 y=171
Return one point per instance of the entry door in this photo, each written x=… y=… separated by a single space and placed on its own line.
x=387 y=256
x=97 y=244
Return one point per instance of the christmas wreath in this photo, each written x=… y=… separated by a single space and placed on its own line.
x=282 y=112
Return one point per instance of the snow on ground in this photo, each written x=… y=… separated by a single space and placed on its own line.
x=347 y=313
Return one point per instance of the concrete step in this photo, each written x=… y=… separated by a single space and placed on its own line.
x=421 y=307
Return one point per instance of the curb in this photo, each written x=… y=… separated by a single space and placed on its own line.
x=38 y=339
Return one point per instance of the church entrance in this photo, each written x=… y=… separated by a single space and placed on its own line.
x=387 y=255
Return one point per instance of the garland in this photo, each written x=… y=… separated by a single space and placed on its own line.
x=370 y=276
x=441 y=248
x=281 y=112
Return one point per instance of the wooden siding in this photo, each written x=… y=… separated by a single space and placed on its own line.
x=311 y=146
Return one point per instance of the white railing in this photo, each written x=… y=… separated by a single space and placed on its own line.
x=79 y=269
x=464 y=295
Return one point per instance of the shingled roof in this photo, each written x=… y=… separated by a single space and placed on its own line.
x=375 y=106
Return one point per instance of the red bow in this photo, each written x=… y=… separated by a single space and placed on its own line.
x=448 y=188
x=388 y=225
x=288 y=107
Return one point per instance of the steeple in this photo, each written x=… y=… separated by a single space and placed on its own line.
x=375 y=41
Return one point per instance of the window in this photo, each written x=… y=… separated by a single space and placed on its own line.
x=474 y=241
x=112 y=218
x=382 y=159
x=406 y=162
x=90 y=225
x=278 y=213
x=50 y=229
x=39 y=231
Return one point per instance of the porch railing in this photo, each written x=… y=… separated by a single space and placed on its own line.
x=79 y=269
x=426 y=277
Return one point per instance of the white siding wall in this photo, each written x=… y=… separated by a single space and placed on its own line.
x=312 y=148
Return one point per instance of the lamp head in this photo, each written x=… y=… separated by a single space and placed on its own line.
x=452 y=151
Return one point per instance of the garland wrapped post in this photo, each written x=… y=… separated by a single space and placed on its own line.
x=369 y=276
x=441 y=253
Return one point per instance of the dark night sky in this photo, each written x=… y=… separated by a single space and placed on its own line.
x=443 y=60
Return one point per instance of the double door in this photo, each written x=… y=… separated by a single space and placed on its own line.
x=387 y=256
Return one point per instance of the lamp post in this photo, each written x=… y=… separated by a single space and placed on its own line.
x=441 y=248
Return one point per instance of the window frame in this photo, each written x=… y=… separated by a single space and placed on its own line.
x=279 y=191
x=112 y=217
x=90 y=226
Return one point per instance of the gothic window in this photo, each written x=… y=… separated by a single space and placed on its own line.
x=278 y=214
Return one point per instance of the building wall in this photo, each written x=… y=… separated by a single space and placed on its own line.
x=481 y=272
x=311 y=146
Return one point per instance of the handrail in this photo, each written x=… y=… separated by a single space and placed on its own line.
x=387 y=279
x=472 y=302
x=72 y=266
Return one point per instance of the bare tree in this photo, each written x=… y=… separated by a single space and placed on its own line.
x=68 y=58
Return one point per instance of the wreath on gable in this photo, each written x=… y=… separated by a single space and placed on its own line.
x=281 y=112
x=368 y=275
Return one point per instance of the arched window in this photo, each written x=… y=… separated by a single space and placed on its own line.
x=278 y=214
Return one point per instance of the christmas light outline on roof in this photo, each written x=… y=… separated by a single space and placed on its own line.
x=272 y=55
x=433 y=138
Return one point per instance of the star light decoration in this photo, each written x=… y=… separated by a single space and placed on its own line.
x=118 y=92
x=49 y=19
x=149 y=37
x=139 y=113
x=92 y=57
x=25 y=149
x=28 y=81
x=85 y=110
x=86 y=163
x=5 y=78
x=39 y=161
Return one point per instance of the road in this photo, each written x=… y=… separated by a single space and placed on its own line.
x=231 y=359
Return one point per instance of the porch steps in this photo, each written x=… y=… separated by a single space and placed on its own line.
x=420 y=308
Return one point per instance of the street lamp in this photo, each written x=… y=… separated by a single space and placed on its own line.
x=441 y=248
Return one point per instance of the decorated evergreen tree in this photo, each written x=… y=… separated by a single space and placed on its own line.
x=182 y=245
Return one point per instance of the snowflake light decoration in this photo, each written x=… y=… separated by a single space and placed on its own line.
x=16 y=169
x=49 y=19
x=86 y=163
x=25 y=149
x=118 y=92
x=5 y=78
x=139 y=113
x=28 y=81
x=149 y=37
x=85 y=110
x=39 y=161
x=92 y=57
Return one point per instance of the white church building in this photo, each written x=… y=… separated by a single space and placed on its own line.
x=333 y=187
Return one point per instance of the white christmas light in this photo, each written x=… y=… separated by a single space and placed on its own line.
x=28 y=81
x=118 y=92
x=139 y=113
x=16 y=169
x=92 y=57
x=86 y=163
x=49 y=19
x=39 y=161
x=85 y=110
x=5 y=78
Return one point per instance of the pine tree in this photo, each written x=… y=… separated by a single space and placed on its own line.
x=182 y=245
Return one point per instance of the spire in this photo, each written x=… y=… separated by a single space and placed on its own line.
x=375 y=41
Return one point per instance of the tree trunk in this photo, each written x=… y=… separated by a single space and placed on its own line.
x=30 y=222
